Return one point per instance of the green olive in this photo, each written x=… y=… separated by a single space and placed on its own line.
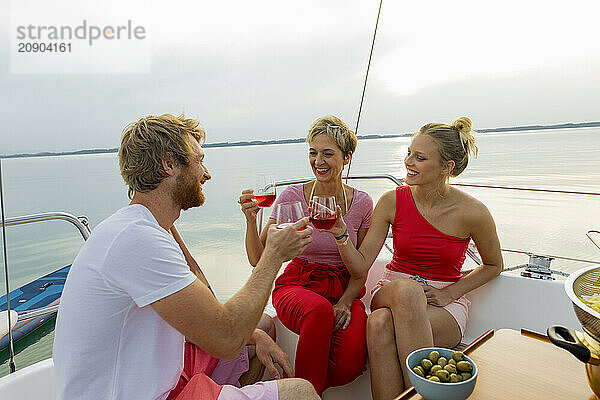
x=454 y=378
x=419 y=371
x=450 y=368
x=428 y=376
x=458 y=356
x=434 y=369
x=426 y=364
x=443 y=375
x=434 y=379
x=442 y=361
x=452 y=361
x=465 y=375
x=433 y=356
x=464 y=366
x=460 y=378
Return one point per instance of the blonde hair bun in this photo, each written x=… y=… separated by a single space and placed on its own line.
x=467 y=137
x=463 y=124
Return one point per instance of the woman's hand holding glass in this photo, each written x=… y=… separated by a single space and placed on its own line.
x=264 y=190
x=326 y=215
x=249 y=206
x=338 y=228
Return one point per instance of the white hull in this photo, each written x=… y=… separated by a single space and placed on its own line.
x=30 y=383
x=508 y=301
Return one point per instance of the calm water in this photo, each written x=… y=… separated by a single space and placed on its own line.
x=553 y=224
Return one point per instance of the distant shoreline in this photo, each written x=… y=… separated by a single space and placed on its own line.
x=285 y=141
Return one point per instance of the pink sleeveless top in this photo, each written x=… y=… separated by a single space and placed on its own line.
x=420 y=248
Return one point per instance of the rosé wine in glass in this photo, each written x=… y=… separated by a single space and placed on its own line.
x=322 y=212
x=264 y=190
x=264 y=200
x=323 y=223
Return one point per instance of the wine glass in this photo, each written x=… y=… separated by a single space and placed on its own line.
x=322 y=212
x=288 y=213
x=264 y=190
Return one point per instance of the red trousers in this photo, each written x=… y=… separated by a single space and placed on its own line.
x=304 y=296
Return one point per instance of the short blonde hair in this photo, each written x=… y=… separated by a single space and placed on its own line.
x=149 y=141
x=455 y=142
x=337 y=130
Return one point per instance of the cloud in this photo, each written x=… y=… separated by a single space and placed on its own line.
x=266 y=69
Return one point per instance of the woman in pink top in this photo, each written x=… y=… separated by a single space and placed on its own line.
x=317 y=296
x=420 y=299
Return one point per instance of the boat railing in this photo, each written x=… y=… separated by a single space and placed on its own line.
x=81 y=222
x=397 y=181
x=537 y=263
x=82 y=225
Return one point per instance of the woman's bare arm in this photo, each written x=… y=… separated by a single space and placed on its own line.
x=483 y=233
x=255 y=242
x=359 y=261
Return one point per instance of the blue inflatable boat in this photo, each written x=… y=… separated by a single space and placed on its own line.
x=44 y=292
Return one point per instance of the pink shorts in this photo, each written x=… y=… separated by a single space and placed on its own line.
x=228 y=372
x=459 y=309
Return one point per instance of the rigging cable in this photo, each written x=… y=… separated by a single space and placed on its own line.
x=10 y=338
x=365 y=84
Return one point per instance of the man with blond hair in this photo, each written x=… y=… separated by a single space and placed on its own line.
x=134 y=291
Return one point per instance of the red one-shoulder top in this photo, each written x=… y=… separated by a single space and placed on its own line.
x=420 y=248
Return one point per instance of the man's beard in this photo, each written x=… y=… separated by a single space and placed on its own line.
x=188 y=192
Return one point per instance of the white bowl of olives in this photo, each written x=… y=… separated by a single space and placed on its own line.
x=437 y=373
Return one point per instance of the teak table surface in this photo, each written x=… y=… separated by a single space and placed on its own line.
x=515 y=366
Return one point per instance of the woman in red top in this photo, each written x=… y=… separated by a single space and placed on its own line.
x=420 y=300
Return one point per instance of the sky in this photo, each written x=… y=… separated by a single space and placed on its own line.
x=265 y=70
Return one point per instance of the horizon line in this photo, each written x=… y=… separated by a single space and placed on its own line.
x=299 y=140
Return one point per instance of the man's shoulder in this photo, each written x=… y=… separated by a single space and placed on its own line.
x=133 y=218
x=132 y=252
x=129 y=227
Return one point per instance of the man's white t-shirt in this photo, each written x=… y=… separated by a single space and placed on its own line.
x=109 y=342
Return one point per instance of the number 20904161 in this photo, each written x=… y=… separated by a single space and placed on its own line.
x=44 y=47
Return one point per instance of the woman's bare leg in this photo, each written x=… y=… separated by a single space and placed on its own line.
x=416 y=324
x=408 y=304
x=383 y=356
x=446 y=332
